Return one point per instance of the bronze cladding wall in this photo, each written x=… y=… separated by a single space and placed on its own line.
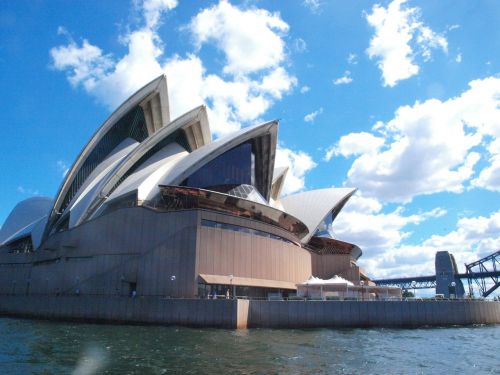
x=329 y=265
x=352 y=274
x=226 y=252
x=104 y=256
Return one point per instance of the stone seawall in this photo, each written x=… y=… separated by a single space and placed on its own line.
x=142 y=310
x=249 y=314
x=301 y=314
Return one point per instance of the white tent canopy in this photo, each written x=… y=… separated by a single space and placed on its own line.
x=335 y=280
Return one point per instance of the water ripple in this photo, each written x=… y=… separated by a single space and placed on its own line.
x=41 y=347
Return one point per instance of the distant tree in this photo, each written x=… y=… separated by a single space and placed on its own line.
x=407 y=294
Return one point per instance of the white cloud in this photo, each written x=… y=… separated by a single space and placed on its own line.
x=62 y=167
x=398 y=32
x=381 y=236
x=153 y=9
x=108 y=80
x=85 y=64
x=277 y=82
x=473 y=238
x=344 y=80
x=429 y=146
x=352 y=58
x=489 y=178
x=299 y=164
x=313 y=5
x=304 y=89
x=428 y=39
x=458 y=58
x=27 y=191
x=310 y=117
x=362 y=222
x=251 y=40
x=300 y=45
x=355 y=144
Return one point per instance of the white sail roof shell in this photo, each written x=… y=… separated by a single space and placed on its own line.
x=153 y=98
x=145 y=178
x=94 y=182
x=200 y=157
x=312 y=207
x=24 y=216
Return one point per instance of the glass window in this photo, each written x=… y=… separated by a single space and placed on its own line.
x=325 y=228
x=233 y=168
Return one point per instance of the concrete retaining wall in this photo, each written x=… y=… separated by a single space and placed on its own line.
x=243 y=313
x=186 y=312
x=299 y=314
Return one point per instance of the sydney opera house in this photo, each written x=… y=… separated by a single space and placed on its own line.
x=157 y=207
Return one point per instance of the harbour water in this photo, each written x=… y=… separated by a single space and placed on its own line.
x=43 y=347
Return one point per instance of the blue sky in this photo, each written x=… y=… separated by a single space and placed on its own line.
x=399 y=99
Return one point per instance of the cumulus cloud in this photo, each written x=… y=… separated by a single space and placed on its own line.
x=344 y=80
x=381 y=233
x=489 y=178
x=310 y=117
x=473 y=238
x=250 y=39
x=355 y=144
x=429 y=147
x=300 y=45
x=364 y=223
x=304 y=89
x=84 y=64
x=299 y=164
x=352 y=58
x=154 y=8
x=110 y=81
x=313 y=5
x=399 y=37
x=252 y=79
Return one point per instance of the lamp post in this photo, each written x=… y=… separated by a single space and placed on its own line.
x=362 y=283
x=233 y=287
x=172 y=278
x=414 y=285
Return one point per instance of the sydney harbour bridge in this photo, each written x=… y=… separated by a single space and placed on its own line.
x=483 y=273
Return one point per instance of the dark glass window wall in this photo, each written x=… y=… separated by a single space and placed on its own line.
x=233 y=168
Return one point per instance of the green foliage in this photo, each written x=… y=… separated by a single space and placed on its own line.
x=408 y=294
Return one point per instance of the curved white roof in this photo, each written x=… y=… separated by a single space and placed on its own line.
x=279 y=176
x=146 y=179
x=200 y=157
x=34 y=229
x=94 y=182
x=312 y=207
x=24 y=215
x=152 y=98
x=142 y=170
